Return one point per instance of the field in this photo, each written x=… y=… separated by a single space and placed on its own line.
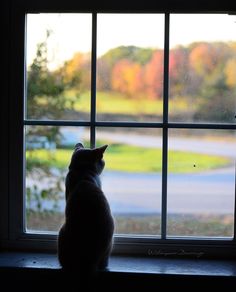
x=128 y=158
x=116 y=104
x=201 y=225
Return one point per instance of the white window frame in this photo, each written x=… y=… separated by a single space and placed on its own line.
x=12 y=146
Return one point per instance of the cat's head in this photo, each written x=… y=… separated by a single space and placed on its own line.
x=86 y=159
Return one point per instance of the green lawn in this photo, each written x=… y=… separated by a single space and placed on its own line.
x=116 y=103
x=120 y=157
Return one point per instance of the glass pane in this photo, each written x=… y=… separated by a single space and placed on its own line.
x=130 y=67
x=48 y=152
x=132 y=178
x=202 y=68
x=58 y=59
x=201 y=182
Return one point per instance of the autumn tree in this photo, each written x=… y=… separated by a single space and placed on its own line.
x=210 y=62
x=230 y=73
x=179 y=71
x=153 y=76
x=202 y=59
x=76 y=72
x=108 y=61
x=127 y=78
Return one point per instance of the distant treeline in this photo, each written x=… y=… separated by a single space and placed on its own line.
x=203 y=72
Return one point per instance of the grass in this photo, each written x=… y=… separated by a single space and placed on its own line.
x=117 y=103
x=189 y=225
x=127 y=158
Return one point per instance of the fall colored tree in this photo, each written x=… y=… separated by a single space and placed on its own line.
x=77 y=71
x=127 y=78
x=106 y=63
x=179 y=71
x=205 y=58
x=153 y=76
x=202 y=59
x=230 y=73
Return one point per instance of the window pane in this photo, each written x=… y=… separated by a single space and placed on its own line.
x=58 y=57
x=130 y=67
x=132 y=178
x=202 y=68
x=48 y=152
x=201 y=182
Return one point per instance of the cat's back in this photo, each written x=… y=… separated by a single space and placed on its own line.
x=87 y=206
x=86 y=191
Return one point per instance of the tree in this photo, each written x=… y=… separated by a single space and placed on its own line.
x=210 y=62
x=127 y=78
x=76 y=72
x=230 y=73
x=44 y=88
x=153 y=76
x=203 y=58
x=108 y=61
x=179 y=71
x=45 y=100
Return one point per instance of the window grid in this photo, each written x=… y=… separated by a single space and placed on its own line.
x=165 y=129
x=165 y=125
x=93 y=80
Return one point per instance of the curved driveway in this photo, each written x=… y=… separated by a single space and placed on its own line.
x=209 y=192
x=213 y=147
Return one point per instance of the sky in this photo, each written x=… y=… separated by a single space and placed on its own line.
x=72 y=32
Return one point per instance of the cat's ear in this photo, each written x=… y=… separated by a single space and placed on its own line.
x=79 y=145
x=99 y=151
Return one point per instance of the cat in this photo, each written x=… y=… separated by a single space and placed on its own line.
x=85 y=239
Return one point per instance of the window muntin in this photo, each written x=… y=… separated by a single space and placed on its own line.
x=111 y=124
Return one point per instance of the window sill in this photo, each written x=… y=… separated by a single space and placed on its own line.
x=123 y=270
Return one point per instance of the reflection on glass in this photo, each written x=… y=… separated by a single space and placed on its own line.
x=47 y=156
x=202 y=66
x=132 y=178
x=201 y=183
x=130 y=67
x=58 y=59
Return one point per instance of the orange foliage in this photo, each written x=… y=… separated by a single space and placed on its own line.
x=76 y=71
x=230 y=73
x=153 y=76
x=73 y=65
x=203 y=58
x=127 y=77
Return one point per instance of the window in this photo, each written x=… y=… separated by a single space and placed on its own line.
x=161 y=98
